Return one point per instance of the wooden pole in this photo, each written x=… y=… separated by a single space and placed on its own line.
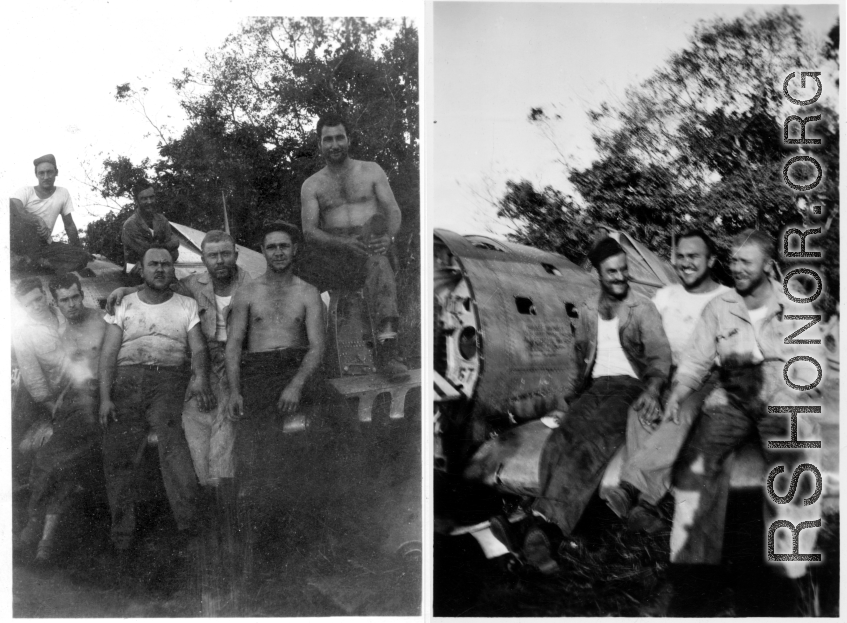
x=226 y=218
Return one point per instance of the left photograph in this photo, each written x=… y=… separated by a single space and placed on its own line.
x=214 y=257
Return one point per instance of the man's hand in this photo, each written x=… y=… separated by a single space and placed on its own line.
x=378 y=245
x=199 y=388
x=358 y=247
x=648 y=409
x=289 y=399
x=234 y=407
x=107 y=410
x=115 y=298
x=672 y=407
x=43 y=232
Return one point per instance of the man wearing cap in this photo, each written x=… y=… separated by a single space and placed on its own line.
x=34 y=211
x=623 y=360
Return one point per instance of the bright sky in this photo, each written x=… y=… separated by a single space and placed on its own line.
x=494 y=61
x=63 y=60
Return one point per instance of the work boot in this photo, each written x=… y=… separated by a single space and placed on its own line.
x=49 y=539
x=388 y=362
x=645 y=518
x=541 y=545
x=621 y=499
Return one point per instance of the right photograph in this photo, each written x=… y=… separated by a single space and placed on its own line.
x=636 y=239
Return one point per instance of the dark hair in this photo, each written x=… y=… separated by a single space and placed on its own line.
x=292 y=230
x=216 y=235
x=755 y=236
x=27 y=285
x=157 y=247
x=64 y=282
x=140 y=186
x=331 y=120
x=699 y=233
x=603 y=250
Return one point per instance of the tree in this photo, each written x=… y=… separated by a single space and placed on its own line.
x=700 y=142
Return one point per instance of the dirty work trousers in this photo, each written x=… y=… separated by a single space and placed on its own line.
x=70 y=458
x=147 y=397
x=733 y=413
x=380 y=289
x=210 y=434
x=649 y=457
x=24 y=240
x=576 y=454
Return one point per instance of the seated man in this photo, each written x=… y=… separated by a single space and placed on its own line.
x=70 y=456
x=143 y=380
x=624 y=360
x=145 y=228
x=280 y=320
x=34 y=211
x=349 y=211
x=652 y=448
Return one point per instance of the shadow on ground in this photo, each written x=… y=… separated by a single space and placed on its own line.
x=344 y=540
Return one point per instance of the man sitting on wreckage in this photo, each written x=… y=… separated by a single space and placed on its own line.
x=624 y=359
x=58 y=364
x=744 y=330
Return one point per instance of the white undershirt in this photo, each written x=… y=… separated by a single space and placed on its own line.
x=221 y=303
x=610 y=359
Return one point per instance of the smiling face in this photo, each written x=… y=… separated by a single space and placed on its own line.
x=614 y=276
x=46 y=173
x=748 y=266
x=158 y=269
x=279 y=251
x=334 y=143
x=693 y=262
x=69 y=301
x=219 y=259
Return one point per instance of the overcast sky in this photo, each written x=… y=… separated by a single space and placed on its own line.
x=63 y=60
x=494 y=61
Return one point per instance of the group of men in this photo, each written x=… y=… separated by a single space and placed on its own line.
x=679 y=383
x=212 y=363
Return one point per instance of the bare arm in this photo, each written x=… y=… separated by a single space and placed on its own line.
x=108 y=364
x=31 y=372
x=290 y=397
x=236 y=331
x=387 y=203
x=17 y=206
x=71 y=230
x=199 y=384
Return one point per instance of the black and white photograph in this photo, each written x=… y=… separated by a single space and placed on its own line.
x=635 y=225
x=215 y=351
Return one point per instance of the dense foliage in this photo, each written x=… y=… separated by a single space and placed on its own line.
x=700 y=143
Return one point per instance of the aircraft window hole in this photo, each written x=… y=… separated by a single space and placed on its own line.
x=467 y=343
x=552 y=270
x=466 y=303
x=525 y=306
x=570 y=309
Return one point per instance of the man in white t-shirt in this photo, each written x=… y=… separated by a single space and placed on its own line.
x=623 y=360
x=143 y=379
x=651 y=447
x=34 y=212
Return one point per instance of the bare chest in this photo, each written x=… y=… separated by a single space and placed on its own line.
x=336 y=191
x=281 y=312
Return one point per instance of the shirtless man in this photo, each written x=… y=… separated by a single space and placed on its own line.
x=34 y=211
x=71 y=454
x=348 y=207
x=281 y=319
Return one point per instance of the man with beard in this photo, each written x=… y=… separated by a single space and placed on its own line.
x=744 y=331
x=34 y=211
x=624 y=360
x=143 y=382
x=652 y=447
x=349 y=211
x=280 y=319
x=145 y=228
